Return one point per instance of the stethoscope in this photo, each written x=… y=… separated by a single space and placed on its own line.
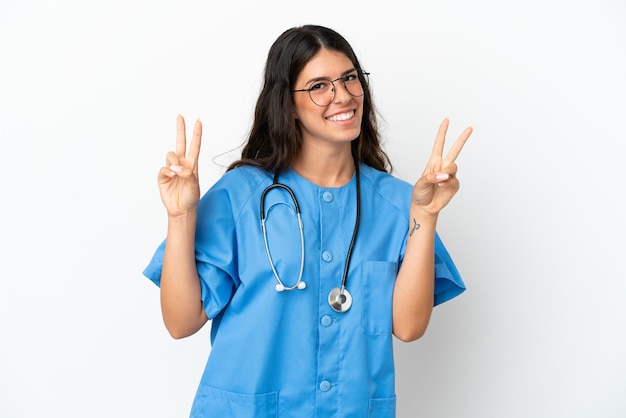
x=339 y=298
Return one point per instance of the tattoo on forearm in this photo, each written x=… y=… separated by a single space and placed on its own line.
x=415 y=227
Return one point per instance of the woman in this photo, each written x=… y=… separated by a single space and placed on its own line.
x=307 y=255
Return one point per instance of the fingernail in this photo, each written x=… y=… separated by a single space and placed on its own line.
x=176 y=168
x=442 y=177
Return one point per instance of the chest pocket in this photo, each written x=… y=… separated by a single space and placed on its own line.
x=378 y=280
x=212 y=402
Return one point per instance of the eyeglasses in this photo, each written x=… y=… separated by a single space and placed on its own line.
x=322 y=91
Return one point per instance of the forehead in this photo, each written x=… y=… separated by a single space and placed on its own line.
x=325 y=64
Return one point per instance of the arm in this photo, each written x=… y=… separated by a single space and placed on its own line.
x=414 y=287
x=181 y=302
x=181 y=296
x=415 y=284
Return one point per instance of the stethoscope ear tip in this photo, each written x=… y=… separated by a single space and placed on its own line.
x=281 y=287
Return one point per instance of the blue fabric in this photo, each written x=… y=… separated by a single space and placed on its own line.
x=288 y=353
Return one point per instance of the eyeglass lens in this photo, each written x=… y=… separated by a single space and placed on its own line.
x=322 y=92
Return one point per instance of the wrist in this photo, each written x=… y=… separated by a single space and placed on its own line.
x=422 y=216
x=181 y=219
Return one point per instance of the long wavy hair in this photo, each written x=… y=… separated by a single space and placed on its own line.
x=275 y=137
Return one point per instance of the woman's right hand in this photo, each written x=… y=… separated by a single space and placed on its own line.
x=178 y=180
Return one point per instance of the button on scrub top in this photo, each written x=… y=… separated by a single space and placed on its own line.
x=289 y=354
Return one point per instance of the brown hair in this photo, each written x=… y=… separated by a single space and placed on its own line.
x=275 y=138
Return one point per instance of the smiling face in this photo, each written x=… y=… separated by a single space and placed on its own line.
x=334 y=125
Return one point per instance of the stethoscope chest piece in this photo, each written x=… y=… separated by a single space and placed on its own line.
x=340 y=300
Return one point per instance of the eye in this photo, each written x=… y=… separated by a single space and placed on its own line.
x=320 y=85
x=351 y=78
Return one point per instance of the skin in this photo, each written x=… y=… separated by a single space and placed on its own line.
x=181 y=303
x=414 y=286
x=326 y=157
x=326 y=160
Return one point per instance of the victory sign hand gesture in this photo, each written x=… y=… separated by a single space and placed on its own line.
x=438 y=183
x=178 y=180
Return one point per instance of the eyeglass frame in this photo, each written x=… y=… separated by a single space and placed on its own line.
x=365 y=77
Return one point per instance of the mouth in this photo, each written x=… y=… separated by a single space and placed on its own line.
x=341 y=116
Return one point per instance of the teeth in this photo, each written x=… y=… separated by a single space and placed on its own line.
x=341 y=116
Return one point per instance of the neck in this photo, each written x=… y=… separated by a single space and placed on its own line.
x=326 y=170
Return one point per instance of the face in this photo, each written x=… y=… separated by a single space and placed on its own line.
x=338 y=123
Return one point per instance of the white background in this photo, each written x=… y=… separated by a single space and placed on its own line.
x=89 y=93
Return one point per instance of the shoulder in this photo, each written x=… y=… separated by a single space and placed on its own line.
x=243 y=177
x=386 y=187
x=236 y=187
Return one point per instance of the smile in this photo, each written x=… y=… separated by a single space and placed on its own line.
x=341 y=116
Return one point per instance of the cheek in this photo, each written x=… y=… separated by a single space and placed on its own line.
x=361 y=104
x=307 y=113
x=301 y=106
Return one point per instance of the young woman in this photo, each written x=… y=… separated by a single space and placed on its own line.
x=307 y=255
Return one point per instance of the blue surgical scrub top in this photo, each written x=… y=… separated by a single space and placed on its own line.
x=289 y=354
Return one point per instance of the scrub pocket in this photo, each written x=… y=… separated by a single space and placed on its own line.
x=378 y=280
x=382 y=408
x=212 y=402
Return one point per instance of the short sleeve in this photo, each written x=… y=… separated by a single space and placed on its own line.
x=448 y=281
x=215 y=252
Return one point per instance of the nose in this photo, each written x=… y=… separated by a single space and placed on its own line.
x=341 y=92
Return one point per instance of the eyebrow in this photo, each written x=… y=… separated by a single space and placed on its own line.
x=328 y=78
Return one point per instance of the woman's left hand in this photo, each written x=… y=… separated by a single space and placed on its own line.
x=438 y=183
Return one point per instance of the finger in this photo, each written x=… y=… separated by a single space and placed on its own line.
x=181 y=136
x=196 y=140
x=164 y=174
x=458 y=145
x=451 y=185
x=172 y=159
x=432 y=179
x=172 y=164
x=177 y=165
x=440 y=139
x=449 y=168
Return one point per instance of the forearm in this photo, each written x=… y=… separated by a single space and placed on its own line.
x=181 y=302
x=414 y=287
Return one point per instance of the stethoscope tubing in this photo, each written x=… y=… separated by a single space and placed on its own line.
x=280 y=286
x=344 y=278
x=339 y=298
